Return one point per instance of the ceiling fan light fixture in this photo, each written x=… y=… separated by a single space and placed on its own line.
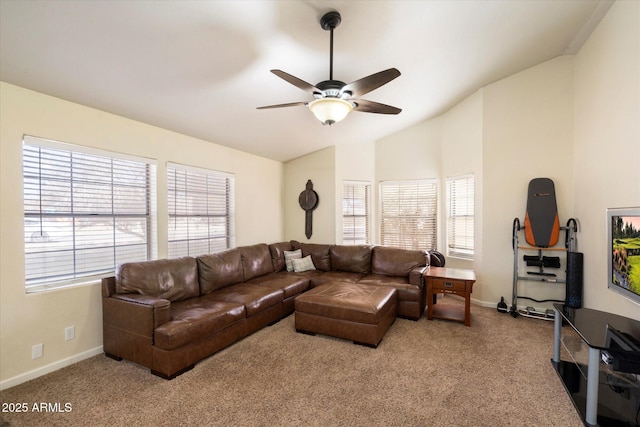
x=330 y=110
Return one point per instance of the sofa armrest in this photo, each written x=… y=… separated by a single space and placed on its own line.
x=415 y=276
x=146 y=305
x=159 y=308
x=108 y=286
x=140 y=314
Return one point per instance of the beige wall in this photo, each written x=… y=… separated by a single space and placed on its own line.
x=461 y=153
x=607 y=143
x=527 y=133
x=26 y=320
x=413 y=153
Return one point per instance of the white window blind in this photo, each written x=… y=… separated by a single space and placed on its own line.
x=408 y=214
x=201 y=210
x=460 y=216
x=355 y=213
x=85 y=211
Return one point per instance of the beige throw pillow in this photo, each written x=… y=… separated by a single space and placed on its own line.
x=289 y=256
x=303 y=264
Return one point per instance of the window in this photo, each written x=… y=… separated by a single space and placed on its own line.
x=85 y=211
x=460 y=216
x=201 y=211
x=408 y=214
x=355 y=213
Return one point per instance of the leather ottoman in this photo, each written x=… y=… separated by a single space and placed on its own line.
x=359 y=313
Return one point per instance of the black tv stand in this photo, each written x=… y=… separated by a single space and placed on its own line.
x=603 y=391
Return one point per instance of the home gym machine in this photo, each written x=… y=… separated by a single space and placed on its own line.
x=541 y=230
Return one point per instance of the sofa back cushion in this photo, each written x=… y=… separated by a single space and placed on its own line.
x=277 y=251
x=353 y=259
x=319 y=255
x=256 y=260
x=172 y=279
x=219 y=270
x=395 y=261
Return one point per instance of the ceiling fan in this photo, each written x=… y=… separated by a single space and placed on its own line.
x=335 y=99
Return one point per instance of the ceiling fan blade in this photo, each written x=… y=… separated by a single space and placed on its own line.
x=299 y=83
x=290 y=104
x=365 y=106
x=369 y=83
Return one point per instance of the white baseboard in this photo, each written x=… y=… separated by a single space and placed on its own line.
x=27 y=376
x=484 y=303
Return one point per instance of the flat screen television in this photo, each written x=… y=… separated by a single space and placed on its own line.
x=623 y=253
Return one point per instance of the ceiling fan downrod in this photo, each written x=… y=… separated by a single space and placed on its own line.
x=329 y=22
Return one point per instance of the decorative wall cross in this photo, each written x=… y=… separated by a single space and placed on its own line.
x=308 y=200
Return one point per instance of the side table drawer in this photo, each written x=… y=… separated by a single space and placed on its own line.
x=448 y=285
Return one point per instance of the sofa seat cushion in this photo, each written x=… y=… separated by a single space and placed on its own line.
x=336 y=276
x=255 y=298
x=406 y=291
x=288 y=283
x=310 y=274
x=194 y=319
x=347 y=301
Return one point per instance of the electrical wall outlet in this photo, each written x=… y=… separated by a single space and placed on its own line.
x=36 y=351
x=69 y=333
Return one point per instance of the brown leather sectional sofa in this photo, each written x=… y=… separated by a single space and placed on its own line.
x=169 y=314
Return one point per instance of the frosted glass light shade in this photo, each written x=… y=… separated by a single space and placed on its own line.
x=330 y=110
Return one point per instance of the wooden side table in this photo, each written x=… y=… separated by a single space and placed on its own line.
x=442 y=280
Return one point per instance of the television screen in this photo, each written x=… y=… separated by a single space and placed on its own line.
x=623 y=238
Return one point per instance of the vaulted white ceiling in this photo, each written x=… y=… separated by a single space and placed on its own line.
x=202 y=67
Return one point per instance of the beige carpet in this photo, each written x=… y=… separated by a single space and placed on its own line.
x=424 y=373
